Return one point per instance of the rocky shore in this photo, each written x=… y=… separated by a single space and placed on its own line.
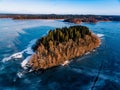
x=56 y=52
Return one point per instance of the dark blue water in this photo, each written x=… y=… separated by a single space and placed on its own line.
x=98 y=70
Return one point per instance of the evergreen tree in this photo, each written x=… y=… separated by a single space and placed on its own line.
x=60 y=35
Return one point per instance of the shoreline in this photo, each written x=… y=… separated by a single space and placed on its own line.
x=63 y=21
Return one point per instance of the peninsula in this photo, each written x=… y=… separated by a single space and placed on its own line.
x=61 y=45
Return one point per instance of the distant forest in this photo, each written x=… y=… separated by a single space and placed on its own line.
x=55 y=16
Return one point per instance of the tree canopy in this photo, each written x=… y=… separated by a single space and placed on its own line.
x=60 y=35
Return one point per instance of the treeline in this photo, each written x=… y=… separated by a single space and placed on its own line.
x=84 y=18
x=44 y=16
x=60 y=35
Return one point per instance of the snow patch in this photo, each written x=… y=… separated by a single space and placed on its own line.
x=87 y=53
x=24 y=62
x=28 y=50
x=65 y=63
x=94 y=50
x=14 y=56
x=100 y=35
x=20 y=74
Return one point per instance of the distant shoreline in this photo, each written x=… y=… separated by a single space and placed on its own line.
x=76 y=19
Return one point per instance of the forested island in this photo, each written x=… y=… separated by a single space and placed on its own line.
x=62 y=44
x=88 y=20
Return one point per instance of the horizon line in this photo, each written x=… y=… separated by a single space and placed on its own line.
x=56 y=14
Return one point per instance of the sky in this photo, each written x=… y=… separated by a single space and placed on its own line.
x=97 y=7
